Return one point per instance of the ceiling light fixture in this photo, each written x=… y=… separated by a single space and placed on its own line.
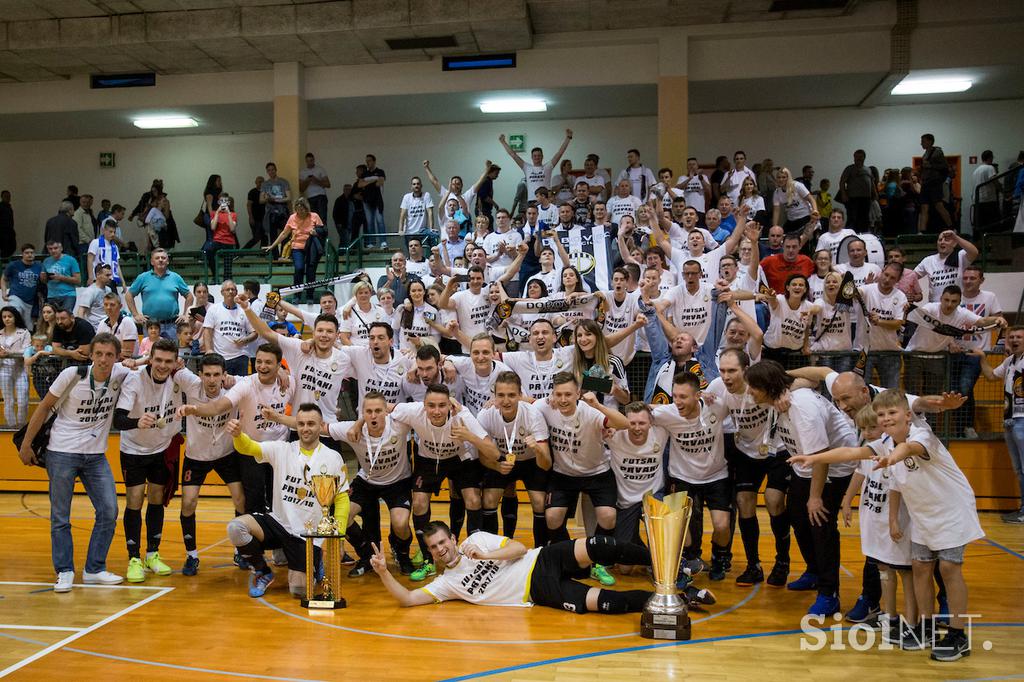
x=513 y=106
x=155 y=122
x=931 y=86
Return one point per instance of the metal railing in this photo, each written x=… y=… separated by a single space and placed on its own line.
x=1002 y=182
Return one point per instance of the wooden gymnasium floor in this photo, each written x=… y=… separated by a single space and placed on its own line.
x=207 y=628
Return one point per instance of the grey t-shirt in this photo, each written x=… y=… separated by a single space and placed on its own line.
x=276 y=191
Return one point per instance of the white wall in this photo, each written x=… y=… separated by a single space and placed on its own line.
x=38 y=172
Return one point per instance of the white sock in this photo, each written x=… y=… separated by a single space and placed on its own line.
x=193 y=553
x=150 y=555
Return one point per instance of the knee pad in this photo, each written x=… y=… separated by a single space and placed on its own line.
x=238 y=532
x=603 y=549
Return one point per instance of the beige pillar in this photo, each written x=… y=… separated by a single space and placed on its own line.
x=673 y=101
x=289 y=122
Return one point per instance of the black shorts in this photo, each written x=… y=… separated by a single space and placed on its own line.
x=716 y=495
x=564 y=491
x=931 y=192
x=366 y=494
x=750 y=473
x=525 y=470
x=276 y=537
x=896 y=567
x=550 y=584
x=194 y=471
x=138 y=469
x=470 y=474
x=428 y=474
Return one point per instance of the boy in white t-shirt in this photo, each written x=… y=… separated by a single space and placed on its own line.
x=942 y=511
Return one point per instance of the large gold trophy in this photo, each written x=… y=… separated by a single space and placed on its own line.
x=325 y=593
x=665 y=615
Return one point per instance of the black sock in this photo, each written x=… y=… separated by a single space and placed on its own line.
x=154 y=526
x=734 y=517
x=749 y=532
x=132 y=522
x=780 y=529
x=188 y=532
x=604 y=550
x=624 y=601
x=509 y=515
x=719 y=552
x=400 y=545
x=253 y=553
x=540 y=530
x=489 y=521
x=419 y=522
x=558 y=534
x=456 y=517
x=357 y=539
x=473 y=521
x=941 y=593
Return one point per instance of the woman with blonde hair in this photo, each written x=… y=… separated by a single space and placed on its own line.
x=833 y=327
x=591 y=358
x=793 y=198
x=358 y=315
x=304 y=228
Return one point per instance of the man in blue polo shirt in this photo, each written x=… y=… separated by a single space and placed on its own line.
x=160 y=289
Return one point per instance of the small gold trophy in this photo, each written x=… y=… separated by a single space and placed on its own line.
x=325 y=593
x=665 y=615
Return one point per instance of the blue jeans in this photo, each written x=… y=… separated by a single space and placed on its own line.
x=65 y=302
x=94 y=471
x=374 y=223
x=169 y=330
x=237 y=367
x=306 y=261
x=1014 y=435
x=965 y=372
x=887 y=366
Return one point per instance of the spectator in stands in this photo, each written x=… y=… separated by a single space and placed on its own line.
x=824 y=202
x=73 y=197
x=340 y=215
x=779 y=267
x=303 y=227
x=86 y=223
x=47 y=320
x=983 y=304
x=223 y=222
x=416 y=213
x=61 y=275
x=14 y=339
x=313 y=184
x=118 y=324
x=537 y=173
x=62 y=229
x=72 y=336
x=227 y=332
x=597 y=185
x=863 y=272
x=833 y=327
x=986 y=194
x=696 y=188
x=8 y=238
x=792 y=200
x=776 y=236
x=766 y=178
x=276 y=196
x=372 y=184
x=946 y=267
x=732 y=180
x=837 y=232
x=90 y=299
x=160 y=289
x=20 y=283
x=856 y=191
x=908 y=282
x=807 y=178
x=146 y=200
x=624 y=203
x=1010 y=374
x=563 y=184
x=156 y=224
x=397 y=279
x=886 y=305
x=639 y=176
x=256 y=212
x=934 y=171
x=106 y=248
x=749 y=196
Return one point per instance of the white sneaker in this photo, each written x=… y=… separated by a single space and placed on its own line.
x=65 y=579
x=970 y=434
x=101 y=578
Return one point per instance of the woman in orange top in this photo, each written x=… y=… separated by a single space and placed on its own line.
x=306 y=245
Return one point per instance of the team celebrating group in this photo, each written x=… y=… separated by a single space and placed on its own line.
x=587 y=363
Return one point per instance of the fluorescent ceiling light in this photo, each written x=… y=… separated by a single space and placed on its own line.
x=513 y=106
x=154 y=122
x=930 y=86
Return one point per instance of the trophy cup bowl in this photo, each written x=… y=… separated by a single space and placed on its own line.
x=325 y=487
x=665 y=616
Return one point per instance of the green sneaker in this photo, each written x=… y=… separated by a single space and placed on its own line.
x=601 y=574
x=153 y=563
x=417 y=558
x=136 y=571
x=423 y=572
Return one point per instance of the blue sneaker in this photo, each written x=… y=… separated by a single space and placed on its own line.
x=191 y=566
x=258 y=584
x=807 y=581
x=862 y=611
x=683 y=581
x=942 y=615
x=824 y=606
x=241 y=562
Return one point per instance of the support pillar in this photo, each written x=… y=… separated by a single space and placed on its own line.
x=289 y=122
x=673 y=101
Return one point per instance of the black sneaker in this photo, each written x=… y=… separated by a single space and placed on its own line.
x=753 y=575
x=952 y=647
x=918 y=637
x=405 y=564
x=892 y=630
x=347 y=559
x=693 y=566
x=779 y=575
x=718 y=569
x=361 y=568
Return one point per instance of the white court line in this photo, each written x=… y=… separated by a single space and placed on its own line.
x=103 y=587
x=219 y=542
x=96 y=626
x=8 y=626
x=845 y=570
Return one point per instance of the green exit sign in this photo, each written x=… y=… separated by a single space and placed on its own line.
x=107 y=160
x=517 y=143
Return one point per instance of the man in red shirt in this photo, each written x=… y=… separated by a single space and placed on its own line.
x=778 y=267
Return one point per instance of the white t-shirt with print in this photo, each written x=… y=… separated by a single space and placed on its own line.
x=358 y=323
x=637 y=468
x=317 y=380
x=228 y=324
x=249 y=396
x=577 y=441
x=85 y=415
x=471 y=389
x=537 y=375
x=511 y=436
x=292 y=469
x=142 y=395
x=873 y=516
x=383 y=460
x=941 y=275
x=485 y=581
x=696 y=448
x=437 y=442
x=206 y=438
x=416 y=209
x=801 y=433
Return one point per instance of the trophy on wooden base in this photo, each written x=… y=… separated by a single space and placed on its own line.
x=325 y=593
x=665 y=616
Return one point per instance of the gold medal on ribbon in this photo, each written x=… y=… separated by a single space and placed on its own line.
x=763 y=448
x=161 y=423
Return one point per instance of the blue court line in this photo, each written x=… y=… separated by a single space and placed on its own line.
x=173 y=666
x=1004 y=548
x=663 y=645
